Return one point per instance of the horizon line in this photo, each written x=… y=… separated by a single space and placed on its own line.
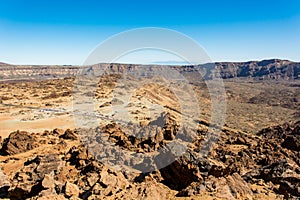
x=170 y=63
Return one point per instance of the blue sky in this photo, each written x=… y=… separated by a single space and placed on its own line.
x=65 y=32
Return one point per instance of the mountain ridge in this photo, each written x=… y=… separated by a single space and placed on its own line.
x=271 y=69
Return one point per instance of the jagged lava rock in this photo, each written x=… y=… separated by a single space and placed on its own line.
x=18 y=142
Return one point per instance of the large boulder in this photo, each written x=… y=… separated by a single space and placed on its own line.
x=18 y=142
x=182 y=172
x=69 y=135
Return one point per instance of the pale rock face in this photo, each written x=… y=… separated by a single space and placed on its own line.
x=48 y=181
x=3 y=180
x=71 y=190
x=52 y=196
x=238 y=187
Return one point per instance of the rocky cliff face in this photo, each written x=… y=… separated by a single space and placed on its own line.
x=273 y=69
x=267 y=69
x=12 y=72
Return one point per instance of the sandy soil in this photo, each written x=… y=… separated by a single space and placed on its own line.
x=48 y=104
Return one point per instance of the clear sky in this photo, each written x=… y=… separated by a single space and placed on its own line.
x=66 y=31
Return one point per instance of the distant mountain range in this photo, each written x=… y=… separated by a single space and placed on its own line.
x=265 y=69
x=273 y=69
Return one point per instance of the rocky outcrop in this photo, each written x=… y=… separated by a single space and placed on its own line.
x=240 y=166
x=68 y=135
x=287 y=135
x=18 y=142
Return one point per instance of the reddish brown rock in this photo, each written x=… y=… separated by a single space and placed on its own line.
x=69 y=135
x=18 y=142
x=239 y=166
x=58 y=131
